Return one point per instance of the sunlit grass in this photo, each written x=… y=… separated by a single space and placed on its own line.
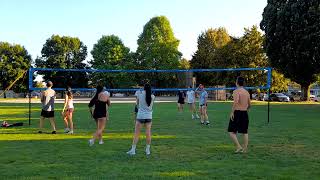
x=286 y=148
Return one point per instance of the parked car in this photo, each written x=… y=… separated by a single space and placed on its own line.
x=279 y=97
x=314 y=98
x=295 y=96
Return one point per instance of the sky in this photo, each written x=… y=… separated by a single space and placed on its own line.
x=31 y=22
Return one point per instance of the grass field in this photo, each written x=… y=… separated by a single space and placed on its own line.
x=287 y=148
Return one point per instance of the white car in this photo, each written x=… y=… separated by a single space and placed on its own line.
x=314 y=98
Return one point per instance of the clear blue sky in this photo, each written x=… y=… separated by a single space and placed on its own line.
x=31 y=22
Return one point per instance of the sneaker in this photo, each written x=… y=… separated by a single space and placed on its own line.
x=198 y=117
x=202 y=123
x=101 y=142
x=66 y=130
x=70 y=132
x=91 y=142
x=192 y=116
x=148 y=152
x=54 y=132
x=132 y=152
x=207 y=123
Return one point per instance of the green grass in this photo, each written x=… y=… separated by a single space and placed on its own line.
x=287 y=148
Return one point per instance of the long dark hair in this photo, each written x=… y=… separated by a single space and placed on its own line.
x=99 y=90
x=147 y=88
x=69 y=94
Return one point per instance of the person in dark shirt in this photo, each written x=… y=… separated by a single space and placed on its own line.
x=98 y=107
x=181 y=97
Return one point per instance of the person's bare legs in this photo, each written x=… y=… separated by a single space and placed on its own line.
x=148 y=138
x=100 y=127
x=245 y=142
x=135 y=140
x=235 y=141
x=65 y=120
x=137 y=133
x=41 y=124
x=201 y=114
x=148 y=133
x=205 y=115
x=53 y=123
x=70 y=120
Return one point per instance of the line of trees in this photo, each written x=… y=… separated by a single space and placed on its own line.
x=290 y=45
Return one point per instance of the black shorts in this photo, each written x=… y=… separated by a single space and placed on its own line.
x=240 y=122
x=180 y=101
x=47 y=114
x=144 y=121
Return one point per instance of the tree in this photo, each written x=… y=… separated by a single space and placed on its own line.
x=14 y=60
x=279 y=82
x=292 y=39
x=110 y=53
x=158 y=49
x=67 y=53
x=184 y=64
x=211 y=54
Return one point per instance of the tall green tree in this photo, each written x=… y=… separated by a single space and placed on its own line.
x=14 y=60
x=66 y=53
x=250 y=53
x=211 y=53
x=292 y=39
x=158 y=49
x=110 y=53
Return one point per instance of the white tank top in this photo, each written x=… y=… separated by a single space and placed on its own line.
x=70 y=104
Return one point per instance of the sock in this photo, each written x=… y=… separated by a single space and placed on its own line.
x=133 y=147
x=148 y=146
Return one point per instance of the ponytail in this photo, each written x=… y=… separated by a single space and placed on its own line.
x=147 y=88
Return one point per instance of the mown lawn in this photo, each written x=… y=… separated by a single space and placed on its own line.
x=287 y=148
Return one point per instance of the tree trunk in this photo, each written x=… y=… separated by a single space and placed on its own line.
x=305 y=90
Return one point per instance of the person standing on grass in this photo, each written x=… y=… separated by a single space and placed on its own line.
x=181 y=97
x=98 y=107
x=144 y=118
x=203 y=104
x=47 y=101
x=191 y=98
x=67 y=112
x=239 y=120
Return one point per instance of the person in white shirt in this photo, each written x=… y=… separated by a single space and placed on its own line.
x=47 y=101
x=67 y=112
x=191 y=98
x=144 y=118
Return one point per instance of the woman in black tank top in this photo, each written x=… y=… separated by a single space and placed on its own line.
x=98 y=109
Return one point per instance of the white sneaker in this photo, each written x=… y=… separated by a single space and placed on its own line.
x=148 y=151
x=192 y=116
x=70 y=132
x=101 y=142
x=198 y=117
x=132 y=152
x=91 y=142
x=66 y=130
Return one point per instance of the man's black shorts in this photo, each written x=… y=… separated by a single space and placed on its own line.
x=240 y=122
x=47 y=114
x=144 y=121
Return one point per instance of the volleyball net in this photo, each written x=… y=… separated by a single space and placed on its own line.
x=218 y=82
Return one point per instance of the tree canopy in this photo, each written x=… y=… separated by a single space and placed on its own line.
x=64 y=52
x=14 y=60
x=292 y=39
x=110 y=53
x=158 y=49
